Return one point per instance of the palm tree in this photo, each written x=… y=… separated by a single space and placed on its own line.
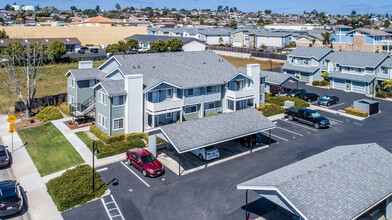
x=326 y=38
x=387 y=84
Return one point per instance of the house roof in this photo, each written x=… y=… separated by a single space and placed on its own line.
x=215 y=31
x=339 y=183
x=99 y=19
x=87 y=74
x=372 y=32
x=387 y=62
x=316 y=52
x=114 y=87
x=276 y=78
x=356 y=58
x=272 y=34
x=340 y=26
x=215 y=129
x=155 y=38
x=306 y=69
x=354 y=77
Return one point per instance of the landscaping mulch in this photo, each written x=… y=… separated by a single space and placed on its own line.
x=73 y=125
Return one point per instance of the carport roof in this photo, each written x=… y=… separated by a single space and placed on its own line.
x=306 y=69
x=340 y=183
x=276 y=78
x=198 y=133
x=354 y=77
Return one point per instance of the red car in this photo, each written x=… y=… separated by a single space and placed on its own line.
x=145 y=161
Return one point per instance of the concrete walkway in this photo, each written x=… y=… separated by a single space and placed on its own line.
x=40 y=203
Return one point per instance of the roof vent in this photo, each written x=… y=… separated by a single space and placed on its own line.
x=138 y=66
x=153 y=66
x=134 y=67
x=204 y=62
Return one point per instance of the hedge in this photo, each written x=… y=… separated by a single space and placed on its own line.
x=74 y=187
x=104 y=137
x=279 y=100
x=381 y=94
x=106 y=150
x=352 y=111
x=65 y=108
x=270 y=109
x=316 y=83
x=139 y=136
x=324 y=83
x=49 y=113
x=389 y=94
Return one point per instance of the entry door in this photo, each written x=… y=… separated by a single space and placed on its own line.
x=348 y=85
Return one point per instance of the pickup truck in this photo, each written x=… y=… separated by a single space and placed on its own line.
x=307 y=116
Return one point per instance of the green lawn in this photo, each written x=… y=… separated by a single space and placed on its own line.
x=84 y=137
x=49 y=149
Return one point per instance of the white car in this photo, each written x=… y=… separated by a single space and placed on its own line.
x=206 y=153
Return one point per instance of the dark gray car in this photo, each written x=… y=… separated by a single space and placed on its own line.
x=4 y=156
x=328 y=100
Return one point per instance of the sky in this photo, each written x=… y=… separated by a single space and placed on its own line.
x=278 y=6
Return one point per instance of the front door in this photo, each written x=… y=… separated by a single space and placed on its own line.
x=348 y=85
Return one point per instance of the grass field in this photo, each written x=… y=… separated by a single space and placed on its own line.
x=83 y=137
x=53 y=83
x=242 y=62
x=49 y=149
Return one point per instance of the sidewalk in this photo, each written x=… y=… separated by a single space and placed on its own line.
x=40 y=203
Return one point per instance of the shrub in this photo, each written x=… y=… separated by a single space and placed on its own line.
x=49 y=113
x=324 y=83
x=65 y=108
x=316 y=83
x=106 y=150
x=279 y=100
x=74 y=187
x=270 y=109
x=389 y=94
x=352 y=111
x=381 y=94
x=139 y=136
x=104 y=137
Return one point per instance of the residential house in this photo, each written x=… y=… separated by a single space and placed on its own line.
x=214 y=36
x=272 y=39
x=134 y=93
x=310 y=39
x=98 y=21
x=304 y=63
x=71 y=43
x=145 y=42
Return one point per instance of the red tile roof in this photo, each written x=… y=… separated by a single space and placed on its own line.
x=99 y=19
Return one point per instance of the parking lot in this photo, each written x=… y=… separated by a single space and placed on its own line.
x=210 y=193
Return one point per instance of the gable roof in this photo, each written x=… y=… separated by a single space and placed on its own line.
x=356 y=58
x=306 y=69
x=276 y=78
x=155 y=38
x=339 y=183
x=113 y=87
x=99 y=19
x=354 y=77
x=372 y=32
x=316 y=52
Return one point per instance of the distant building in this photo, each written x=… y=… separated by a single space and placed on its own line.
x=18 y=7
x=98 y=21
x=71 y=44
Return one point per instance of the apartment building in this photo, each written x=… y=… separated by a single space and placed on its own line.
x=134 y=93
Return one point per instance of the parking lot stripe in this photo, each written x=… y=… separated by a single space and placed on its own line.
x=276 y=136
x=333 y=106
x=135 y=174
x=108 y=210
x=299 y=125
x=102 y=169
x=336 y=120
x=284 y=129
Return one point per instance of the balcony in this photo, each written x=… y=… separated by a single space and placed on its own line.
x=241 y=94
x=191 y=100
x=211 y=97
x=174 y=104
x=384 y=75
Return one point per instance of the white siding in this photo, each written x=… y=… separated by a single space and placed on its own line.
x=270 y=41
x=339 y=84
x=194 y=46
x=359 y=87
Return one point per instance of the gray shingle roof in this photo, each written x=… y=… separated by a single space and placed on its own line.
x=387 y=63
x=309 y=52
x=357 y=59
x=155 y=38
x=306 y=69
x=114 y=87
x=86 y=74
x=354 y=77
x=215 y=31
x=219 y=128
x=339 y=183
x=272 y=34
x=276 y=78
x=372 y=32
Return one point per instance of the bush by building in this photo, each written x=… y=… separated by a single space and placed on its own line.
x=316 y=83
x=74 y=187
x=279 y=100
x=324 y=83
x=104 y=137
x=49 y=113
x=381 y=94
x=107 y=150
x=65 y=108
x=270 y=109
x=352 y=111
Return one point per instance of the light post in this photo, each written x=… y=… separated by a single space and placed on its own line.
x=95 y=151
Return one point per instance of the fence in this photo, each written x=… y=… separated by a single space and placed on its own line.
x=43 y=101
x=253 y=53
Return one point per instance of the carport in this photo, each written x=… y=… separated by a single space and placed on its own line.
x=274 y=78
x=195 y=134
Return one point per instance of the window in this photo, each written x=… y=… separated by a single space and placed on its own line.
x=71 y=81
x=92 y=83
x=190 y=109
x=306 y=62
x=211 y=89
x=169 y=93
x=71 y=100
x=118 y=100
x=384 y=70
x=118 y=123
x=102 y=120
x=102 y=98
x=210 y=105
x=169 y=115
x=190 y=92
x=239 y=85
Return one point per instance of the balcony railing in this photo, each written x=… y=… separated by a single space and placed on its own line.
x=249 y=93
x=384 y=75
x=164 y=106
x=190 y=100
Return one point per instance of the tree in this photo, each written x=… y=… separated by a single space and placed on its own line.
x=150 y=14
x=376 y=27
x=57 y=49
x=159 y=46
x=220 y=40
x=132 y=44
x=325 y=75
x=387 y=84
x=111 y=48
x=3 y=34
x=174 y=44
x=233 y=24
x=260 y=21
x=386 y=24
x=118 y=7
x=262 y=47
x=353 y=13
x=97 y=8
x=220 y=7
x=326 y=38
x=8 y=8
x=74 y=8
x=267 y=12
x=22 y=70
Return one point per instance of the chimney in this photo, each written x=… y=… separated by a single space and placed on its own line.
x=134 y=103
x=253 y=70
x=86 y=64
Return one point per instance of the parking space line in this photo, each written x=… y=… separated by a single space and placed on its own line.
x=299 y=125
x=135 y=174
x=336 y=120
x=284 y=129
x=113 y=209
x=333 y=106
x=102 y=169
x=276 y=136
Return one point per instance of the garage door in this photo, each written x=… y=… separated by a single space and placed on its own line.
x=339 y=84
x=359 y=87
x=304 y=77
x=237 y=44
